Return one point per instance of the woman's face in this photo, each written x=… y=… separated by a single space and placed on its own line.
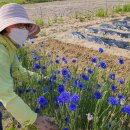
x=20 y=26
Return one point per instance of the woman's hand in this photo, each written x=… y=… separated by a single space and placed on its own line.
x=45 y=123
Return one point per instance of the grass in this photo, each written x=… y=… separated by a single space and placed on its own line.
x=101 y=13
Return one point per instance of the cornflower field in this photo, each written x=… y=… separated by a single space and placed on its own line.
x=89 y=100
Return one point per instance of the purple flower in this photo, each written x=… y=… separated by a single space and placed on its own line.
x=98 y=95
x=99 y=86
x=90 y=71
x=64 y=97
x=45 y=89
x=37 y=110
x=36 y=58
x=113 y=101
x=94 y=60
x=120 y=96
x=72 y=107
x=74 y=61
x=121 y=81
x=42 y=101
x=57 y=61
x=34 y=90
x=85 y=77
x=36 y=66
x=103 y=65
x=113 y=88
x=65 y=128
x=121 y=61
x=43 y=67
x=80 y=85
x=67 y=119
x=112 y=76
x=101 y=50
x=74 y=98
x=126 y=110
x=61 y=88
x=65 y=71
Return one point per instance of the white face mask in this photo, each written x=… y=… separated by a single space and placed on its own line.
x=19 y=36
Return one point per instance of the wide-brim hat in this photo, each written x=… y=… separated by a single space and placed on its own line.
x=13 y=14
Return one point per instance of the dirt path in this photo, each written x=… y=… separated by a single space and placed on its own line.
x=69 y=7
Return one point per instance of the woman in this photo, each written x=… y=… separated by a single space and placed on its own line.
x=15 y=28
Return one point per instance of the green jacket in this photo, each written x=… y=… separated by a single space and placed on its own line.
x=11 y=101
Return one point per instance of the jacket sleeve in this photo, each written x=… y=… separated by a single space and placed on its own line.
x=11 y=101
x=18 y=71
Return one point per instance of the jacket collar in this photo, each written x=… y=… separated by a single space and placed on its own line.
x=8 y=42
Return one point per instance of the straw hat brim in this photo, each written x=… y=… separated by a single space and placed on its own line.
x=35 y=29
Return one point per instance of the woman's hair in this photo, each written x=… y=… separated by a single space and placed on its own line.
x=3 y=32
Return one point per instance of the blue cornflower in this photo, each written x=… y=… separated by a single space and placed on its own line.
x=61 y=88
x=45 y=89
x=49 y=55
x=113 y=88
x=69 y=76
x=65 y=71
x=94 y=60
x=64 y=97
x=13 y=118
x=99 y=86
x=43 y=71
x=65 y=128
x=42 y=101
x=65 y=61
x=34 y=90
x=121 y=81
x=18 y=126
x=76 y=82
x=37 y=110
x=63 y=58
x=33 y=51
x=20 y=91
x=43 y=67
x=74 y=61
x=112 y=76
x=36 y=58
x=72 y=107
x=67 y=119
x=90 y=71
x=101 y=50
x=103 y=65
x=57 y=56
x=121 y=61
x=126 y=109
x=98 y=95
x=57 y=61
x=57 y=71
x=36 y=66
x=75 y=98
x=52 y=78
x=85 y=77
x=39 y=82
x=80 y=85
x=113 y=101
x=120 y=96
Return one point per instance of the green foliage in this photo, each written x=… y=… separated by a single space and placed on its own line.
x=101 y=13
x=126 y=8
x=39 y=22
x=118 y=9
x=42 y=33
x=81 y=18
